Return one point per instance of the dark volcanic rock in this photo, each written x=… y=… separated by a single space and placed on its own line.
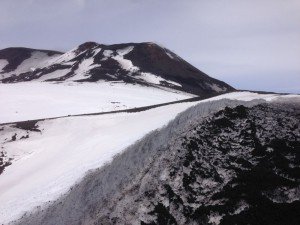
x=158 y=60
x=28 y=125
x=241 y=166
x=86 y=46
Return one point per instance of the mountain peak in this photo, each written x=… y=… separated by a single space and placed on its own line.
x=146 y=63
x=87 y=45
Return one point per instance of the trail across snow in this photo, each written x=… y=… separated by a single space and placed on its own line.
x=37 y=100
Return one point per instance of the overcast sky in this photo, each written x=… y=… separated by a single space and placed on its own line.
x=252 y=44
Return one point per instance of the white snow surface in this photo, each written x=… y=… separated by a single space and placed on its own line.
x=217 y=88
x=52 y=161
x=125 y=51
x=153 y=79
x=63 y=58
x=248 y=96
x=84 y=67
x=36 y=100
x=49 y=162
x=125 y=63
x=97 y=50
x=68 y=56
x=169 y=55
x=107 y=54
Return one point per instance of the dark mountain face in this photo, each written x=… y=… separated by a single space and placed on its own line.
x=139 y=63
x=158 y=60
x=15 y=56
x=238 y=165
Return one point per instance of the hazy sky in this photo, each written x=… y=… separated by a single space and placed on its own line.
x=252 y=44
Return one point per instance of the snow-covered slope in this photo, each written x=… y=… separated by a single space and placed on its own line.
x=16 y=61
x=42 y=159
x=145 y=64
x=211 y=165
x=36 y=100
x=49 y=156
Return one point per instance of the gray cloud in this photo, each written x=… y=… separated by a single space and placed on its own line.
x=251 y=44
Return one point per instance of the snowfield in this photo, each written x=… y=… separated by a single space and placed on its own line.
x=37 y=100
x=48 y=162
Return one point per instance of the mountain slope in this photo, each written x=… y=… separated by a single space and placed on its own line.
x=22 y=60
x=139 y=63
x=65 y=149
x=40 y=160
x=214 y=166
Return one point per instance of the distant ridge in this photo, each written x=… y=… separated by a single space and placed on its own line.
x=138 y=63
